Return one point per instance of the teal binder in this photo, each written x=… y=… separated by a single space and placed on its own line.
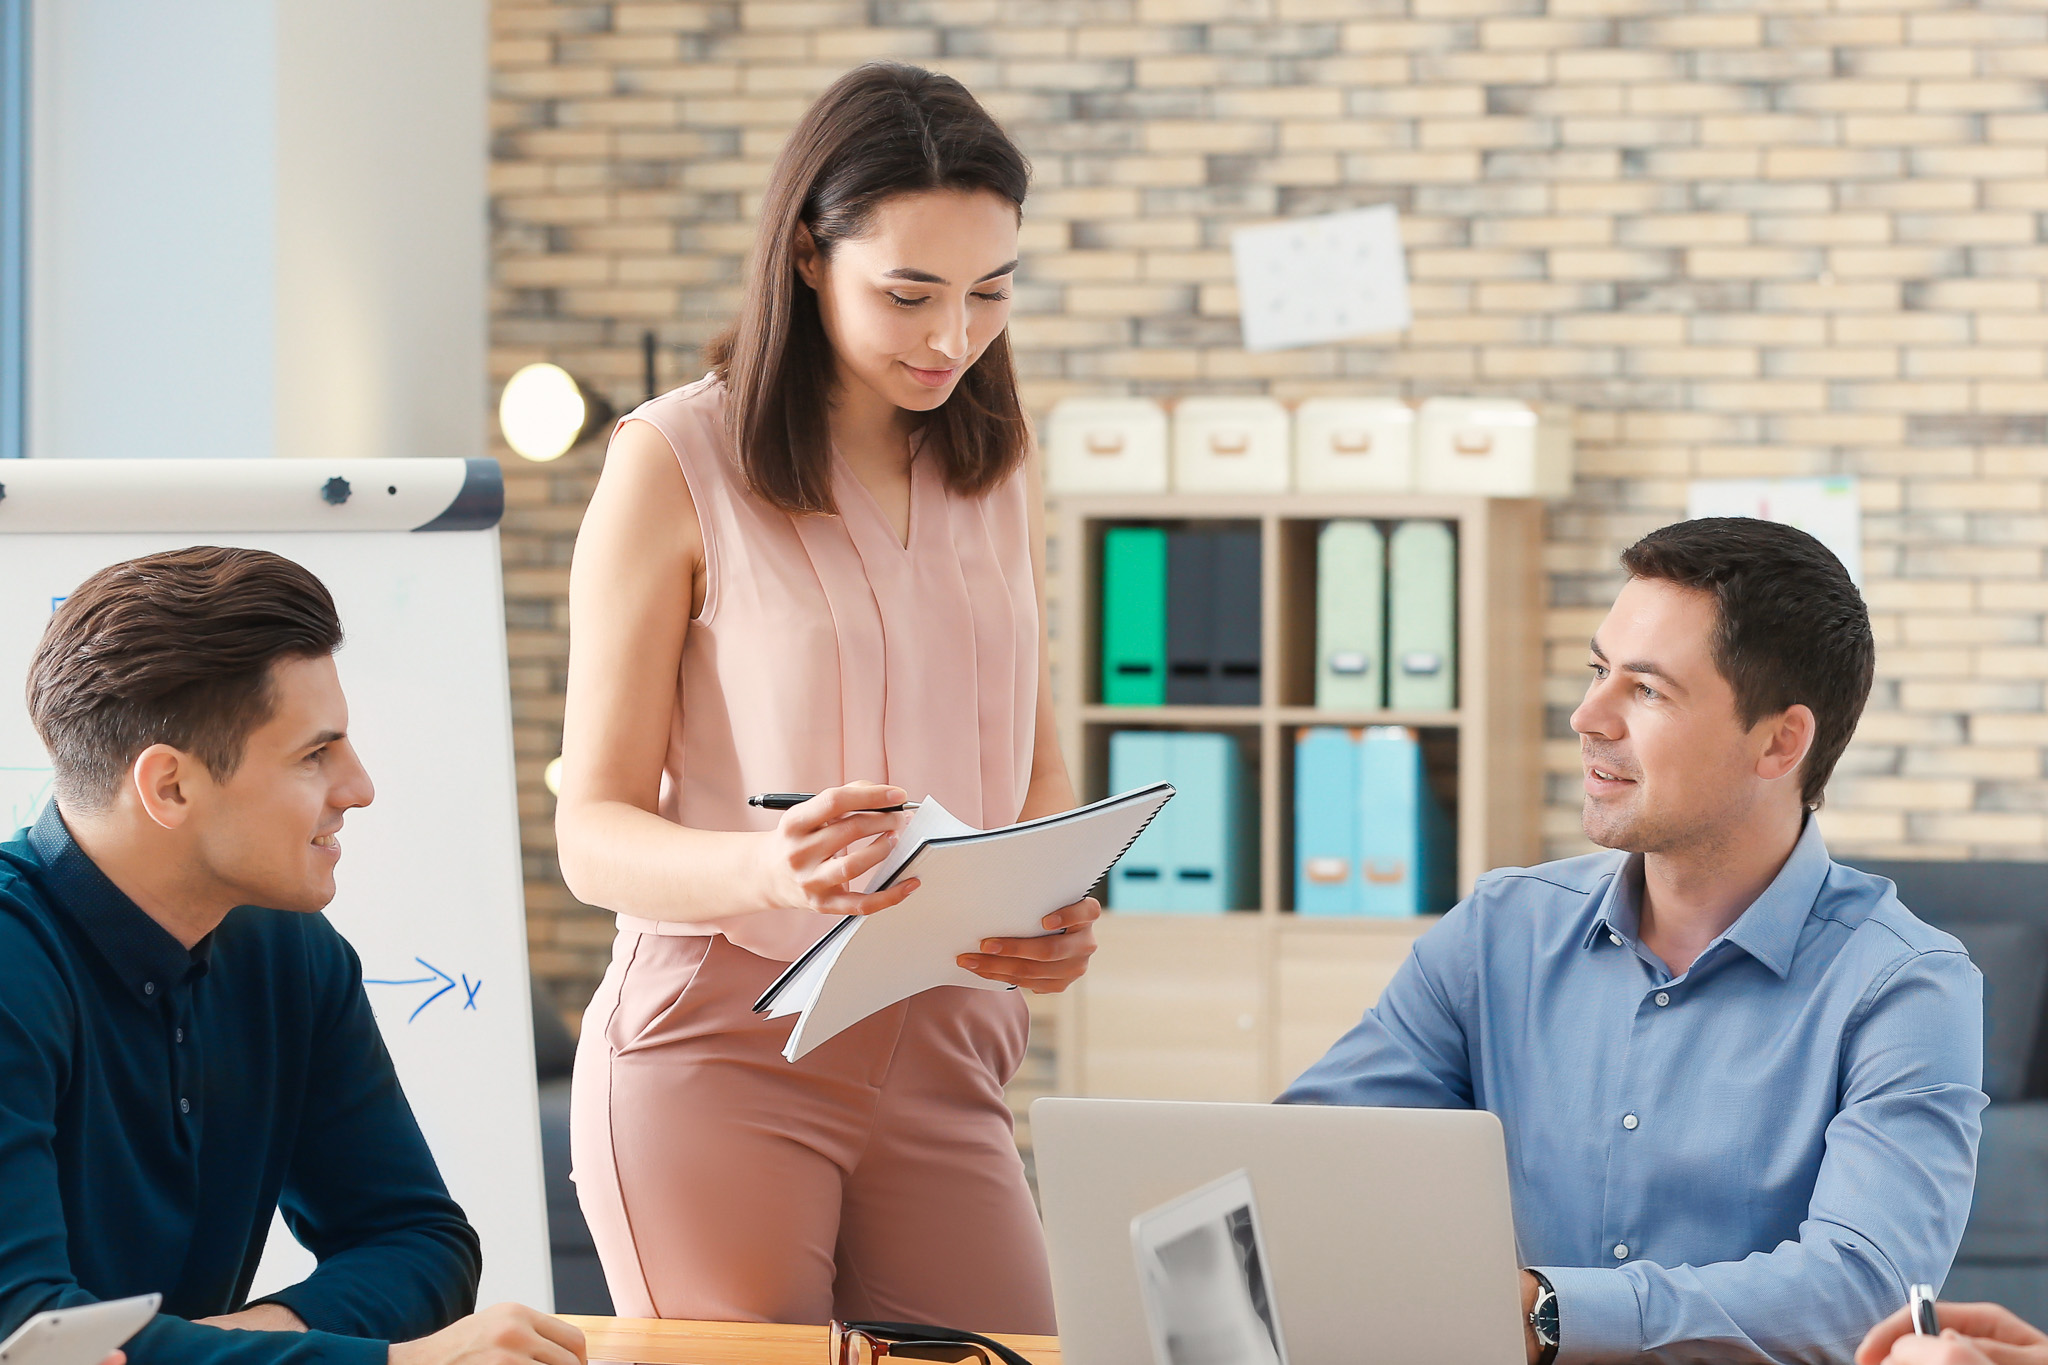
x=1351 y=634
x=1422 y=617
x=1405 y=856
x=1326 y=821
x=1198 y=861
x=1134 y=617
x=1143 y=877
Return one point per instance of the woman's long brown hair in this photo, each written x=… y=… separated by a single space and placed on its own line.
x=882 y=130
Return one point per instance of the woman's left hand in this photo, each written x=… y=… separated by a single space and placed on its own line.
x=1045 y=965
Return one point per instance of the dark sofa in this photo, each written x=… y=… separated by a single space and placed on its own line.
x=2000 y=912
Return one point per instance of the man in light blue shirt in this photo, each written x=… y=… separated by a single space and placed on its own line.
x=1741 y=1083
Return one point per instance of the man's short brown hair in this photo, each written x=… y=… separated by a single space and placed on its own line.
x=1793 y=629
x=173 y=648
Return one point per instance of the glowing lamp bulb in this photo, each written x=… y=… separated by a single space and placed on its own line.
x=543 y=412
x=551 y=776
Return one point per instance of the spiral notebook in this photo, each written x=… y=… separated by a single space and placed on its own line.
x=973 y=884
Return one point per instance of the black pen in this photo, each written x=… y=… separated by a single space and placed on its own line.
x=786 y=800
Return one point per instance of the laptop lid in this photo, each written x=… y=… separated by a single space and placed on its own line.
x=1389 y=1230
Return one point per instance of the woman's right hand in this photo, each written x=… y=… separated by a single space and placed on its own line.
x=811 y=854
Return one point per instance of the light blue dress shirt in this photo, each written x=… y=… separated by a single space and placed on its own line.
x=1750 y=1161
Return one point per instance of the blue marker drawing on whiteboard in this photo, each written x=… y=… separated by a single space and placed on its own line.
x=470 y=988
x=23 y=792
x=440 y=980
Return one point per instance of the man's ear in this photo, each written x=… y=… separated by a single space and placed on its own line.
x=810 y=263
x=164 y=781
x=1789 y=737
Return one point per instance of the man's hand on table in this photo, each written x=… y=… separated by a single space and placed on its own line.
x=505 y=1334
x=263 y=1317
x=1971 y=1334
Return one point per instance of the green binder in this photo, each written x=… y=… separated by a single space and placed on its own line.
x=1134 y=616
x=1351 y=636
x=1422 y=617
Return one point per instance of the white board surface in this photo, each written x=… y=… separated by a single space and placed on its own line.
x=430 y=878
x=1829 y=508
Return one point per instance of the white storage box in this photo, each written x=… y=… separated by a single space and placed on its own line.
x=1345 y=445
x=1492 y=447
x=1230 y=445
x=1106 y=445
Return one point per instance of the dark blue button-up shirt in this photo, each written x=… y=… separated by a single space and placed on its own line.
x=1759 y=1155
x=157 y=1104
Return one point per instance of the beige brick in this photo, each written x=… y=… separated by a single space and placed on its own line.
x=1692 y=97
x=1207 y=135
x=1283 y=103
x=1407 y=168
x=1763 y=395
x=1698 y=30
x=1833 y=362
x=1541 y=33
x=1979 y=162
x=1546 y=362
x=1972 y=26
x=1893 y=262
x=1830 y=163
x=1980 y=827
x=1754 y=262
x=1975 y=362
x=1758 y=329
x=1906 y=130
x=1070 y=267
x=1101 y=201
x=1685 y=229
x=1694 y=362
x=1395 y=36
x=673 y=18
x=1848 y=96
x=2011 y=396
x=1486 y=68
x=1836 y=30
x=1917 y=62
x=1933 y=329
x=1903 y=793
x=1612 y=264
x=1823 y=229
x=1487 y=133
x=1767 y=130
x=1475 y=264
x=1543 y=231
x=1347 y=135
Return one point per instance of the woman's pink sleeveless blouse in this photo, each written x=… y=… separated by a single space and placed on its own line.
x=830 y=652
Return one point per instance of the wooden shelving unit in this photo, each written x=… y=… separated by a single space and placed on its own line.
x=1233 y=1006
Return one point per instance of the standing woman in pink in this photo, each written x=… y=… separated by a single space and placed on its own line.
x=817 y=569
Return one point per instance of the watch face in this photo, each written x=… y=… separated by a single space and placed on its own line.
x=1544 y=1319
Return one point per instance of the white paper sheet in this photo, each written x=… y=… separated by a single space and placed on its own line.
x=1327 y=278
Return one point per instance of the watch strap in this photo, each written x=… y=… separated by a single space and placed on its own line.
x=1543 y=1319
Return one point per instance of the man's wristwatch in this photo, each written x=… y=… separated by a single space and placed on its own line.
x=1543 y=1319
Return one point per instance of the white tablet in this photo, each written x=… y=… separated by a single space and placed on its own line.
x=84 y=1335
x=1202 y=1274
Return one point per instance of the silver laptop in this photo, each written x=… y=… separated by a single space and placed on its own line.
x=1389 y=1231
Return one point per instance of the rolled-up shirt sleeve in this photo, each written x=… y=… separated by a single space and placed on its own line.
x=1888 y=1207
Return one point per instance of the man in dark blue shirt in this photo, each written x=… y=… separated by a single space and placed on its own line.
x=177 y=1063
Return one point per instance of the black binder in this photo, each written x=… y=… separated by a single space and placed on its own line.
x=1235 y=647
x=1212 y=618
x=1190 y=618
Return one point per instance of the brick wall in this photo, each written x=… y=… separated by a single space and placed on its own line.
x=1795 y=238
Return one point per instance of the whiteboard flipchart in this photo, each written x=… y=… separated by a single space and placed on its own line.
x=429 y=887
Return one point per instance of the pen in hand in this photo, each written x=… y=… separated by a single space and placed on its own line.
x=1920 y=1311
x=790 y=800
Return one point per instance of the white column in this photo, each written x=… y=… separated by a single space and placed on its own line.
x=257 y=227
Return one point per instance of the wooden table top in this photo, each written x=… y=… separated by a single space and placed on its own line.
x=654 y=1341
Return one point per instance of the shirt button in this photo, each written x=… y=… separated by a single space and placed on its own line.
x=1615 y=939
x=1621 y=1251
x=184 y=1106
x=1629 y=1121
x=149 y=988
x=181 y=1035
x=1663 y=998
